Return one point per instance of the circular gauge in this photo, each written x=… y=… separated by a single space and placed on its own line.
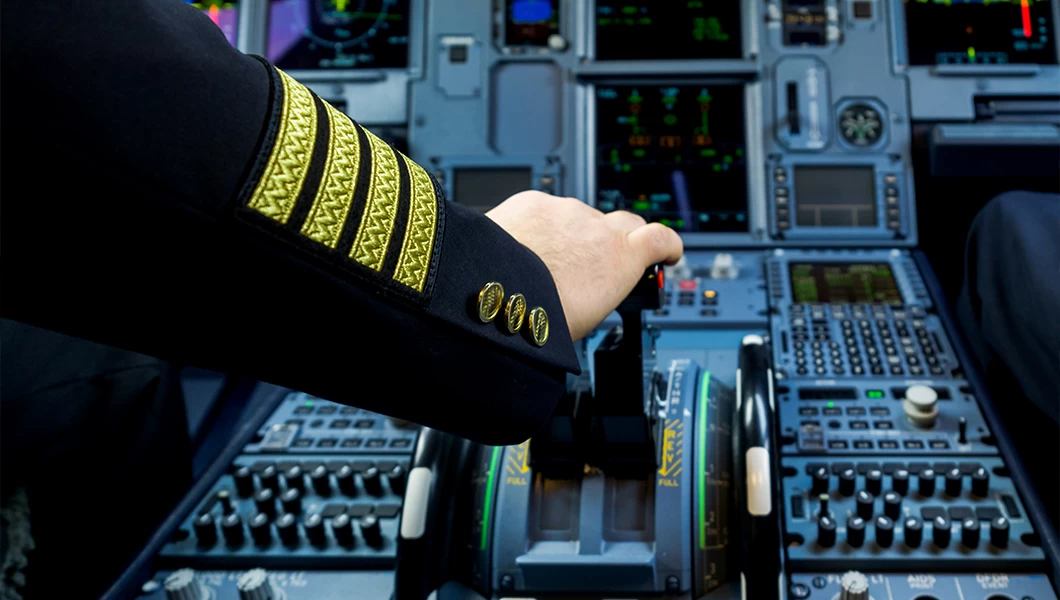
x=861 y=125
x=346 y=24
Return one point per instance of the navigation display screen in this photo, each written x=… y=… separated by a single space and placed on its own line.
x=224 y=14
x=843 y=283
x=338 y=34
x=979 y=32
x=835 y=196
x=673 y=154
x=530 y=22
x=667 y=29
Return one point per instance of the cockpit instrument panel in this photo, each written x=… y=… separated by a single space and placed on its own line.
x=673 y=154
x=338 y=34
x=224 y=14
x=655 y=30
x=976 y=32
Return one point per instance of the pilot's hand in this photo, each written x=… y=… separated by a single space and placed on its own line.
x=596 y=259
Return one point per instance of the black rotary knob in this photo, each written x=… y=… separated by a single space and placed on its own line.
x=865 y=503
x=855 y=531
x=826 y=531
x=260 y=530
x=981 y=482
x=927 y=482
x=232 y=529
x=295 y=478
x=953 y=482
x=874 y=482
x=970 y=532
x=373 y=484
x=205 y=530
x=900 y=481
x=999 y=532
x=314 y=530
x=244 y=479
x=847 y=479
x=345 y=477
x=370 y=531
x=287 y=527
x=940 y=531
x=265 y=501
x=321 y=480
x=342 y=527
x=397 y=477
x=914 y=531
x=821 y=478
x=884 y=531
x=291 y=501
x=270 y=478
x=892 y=505
x=225 y=501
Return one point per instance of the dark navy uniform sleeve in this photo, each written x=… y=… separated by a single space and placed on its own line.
x=167 y=194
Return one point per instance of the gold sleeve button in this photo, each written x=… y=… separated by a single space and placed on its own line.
x=515 y=312
x=539 y=326
x=490 y=300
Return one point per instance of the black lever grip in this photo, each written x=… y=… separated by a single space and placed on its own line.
x=756 y=472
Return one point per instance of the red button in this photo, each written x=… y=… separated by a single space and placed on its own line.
x=688 y=284
x=662 y=279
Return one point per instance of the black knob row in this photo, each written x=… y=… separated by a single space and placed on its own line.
x=900 y=481
x=320 y=479
x=913 y=529
x=260 y=526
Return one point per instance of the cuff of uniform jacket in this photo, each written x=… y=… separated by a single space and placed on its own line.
x=477 y=251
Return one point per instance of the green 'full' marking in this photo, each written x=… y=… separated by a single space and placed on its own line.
x=489 y=497
x=704 y=386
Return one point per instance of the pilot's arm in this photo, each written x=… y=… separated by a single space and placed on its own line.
x=167 y=194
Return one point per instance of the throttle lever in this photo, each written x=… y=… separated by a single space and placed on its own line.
x=755 y=458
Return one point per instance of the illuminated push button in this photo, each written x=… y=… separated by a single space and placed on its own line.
x=538 y=329
x=515 y=312
x=490 y=300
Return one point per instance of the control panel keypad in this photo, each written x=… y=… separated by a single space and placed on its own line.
x=862 y=340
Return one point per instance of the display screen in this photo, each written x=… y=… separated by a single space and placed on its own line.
x=339 y=34
x=224 y=14
x=979 y=32
x=667 y=29
x=673 y=154
x=843 y=283
x=530 y=22
x=835 y=197
x=482 y=189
